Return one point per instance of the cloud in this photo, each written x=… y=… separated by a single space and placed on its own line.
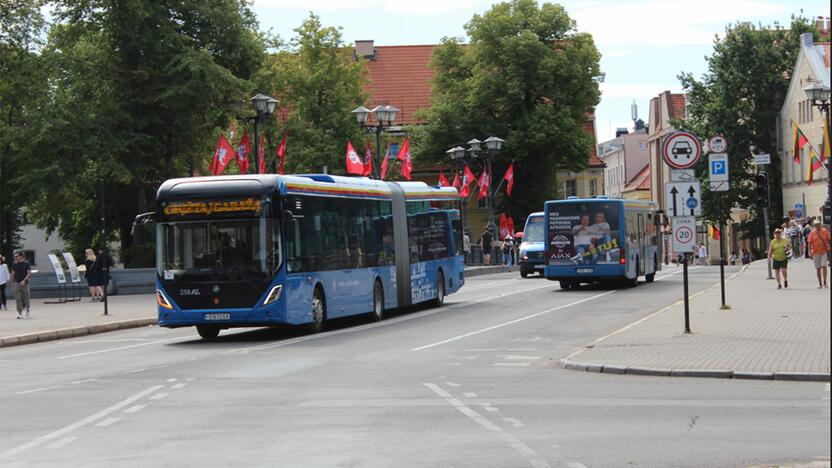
x=637 y=90
x=667 y=22
x=422 y=7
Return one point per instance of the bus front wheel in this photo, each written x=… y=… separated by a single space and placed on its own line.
x=318 y=312
x=440 y=290
x=208 y=332
x=378 y=302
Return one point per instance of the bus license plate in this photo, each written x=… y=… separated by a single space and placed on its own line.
x=217 y=317
x=585 y=270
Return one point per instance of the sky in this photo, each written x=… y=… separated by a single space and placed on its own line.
x=644 y=45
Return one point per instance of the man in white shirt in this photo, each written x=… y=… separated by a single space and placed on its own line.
x=583 y=235
x=702 y=254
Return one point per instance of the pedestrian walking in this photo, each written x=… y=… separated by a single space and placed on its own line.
x=486 y=244
x=5 y=276
x=94 y=275
x=746 y=256
x=778 y=253
x=466 y=245
x=733 y=259
x=701 y=255
x=21 y=273
x=818 y=244
x=794 y=238
x=508 y=250
x=807 y=229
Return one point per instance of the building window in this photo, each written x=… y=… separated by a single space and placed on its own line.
x=570 y=188
x=592 y=184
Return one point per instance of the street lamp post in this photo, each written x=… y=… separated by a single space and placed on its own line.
x=383 y=114
x=457 y=155
x=818 y=93
x=263 y=106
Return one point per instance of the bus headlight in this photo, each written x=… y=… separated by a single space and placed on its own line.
x=274 y=294
x=162 y=300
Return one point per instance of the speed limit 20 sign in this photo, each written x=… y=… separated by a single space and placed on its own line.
x=684 y=233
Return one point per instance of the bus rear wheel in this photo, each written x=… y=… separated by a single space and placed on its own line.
x=378 y=302
x=208 y=332
x=564 y=284
x=318 y=312
x=440 y=290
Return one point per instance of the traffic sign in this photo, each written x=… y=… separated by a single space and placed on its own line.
x=718 y=167
x=683 y=199
x=762 y=159
x=719 y=186
x=718 y=144
x=684 y=234
x=681 y=150
x=682 y=175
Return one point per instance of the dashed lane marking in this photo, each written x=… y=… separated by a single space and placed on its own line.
x=83 y=381
x=521 y=358
x=469 y=395
x=107 y=422
x=41 y=389
x=173 y=379
x=512 y=364
x=159 y=396
x=531 y=457
x=514 y=422
x=78 y=424
x=121 y=348
x=453 y=384
x=134 y=409
x=178 y=386
x=62 y=442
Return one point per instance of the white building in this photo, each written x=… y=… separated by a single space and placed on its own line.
x=625 y=156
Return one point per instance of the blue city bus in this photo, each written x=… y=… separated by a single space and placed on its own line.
x=601 y=239
x=260 y=250
x=531 y=249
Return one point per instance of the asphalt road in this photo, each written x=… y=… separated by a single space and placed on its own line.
x=471 y=384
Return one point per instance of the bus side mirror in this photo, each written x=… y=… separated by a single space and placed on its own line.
x=137 y=230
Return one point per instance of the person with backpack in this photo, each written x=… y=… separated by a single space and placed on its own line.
x=508 y=251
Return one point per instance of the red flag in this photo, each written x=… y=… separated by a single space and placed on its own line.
x=509 y=178
x=483 y=183
x=456 y=181
x=243 y=150
x=384 y=162
x=354 y=164
x=503 y=226
x=468 y=178
x=261 y=155
x=510 y=225
x=222 y=155
x=368 y=161
x=800 y=141
x=404 y=157
x=281 y=154
x=443 y=181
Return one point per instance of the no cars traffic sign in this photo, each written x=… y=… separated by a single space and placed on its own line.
x=681 y=150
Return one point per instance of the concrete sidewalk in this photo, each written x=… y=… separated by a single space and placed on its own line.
x=768 y=333
x=55 y=321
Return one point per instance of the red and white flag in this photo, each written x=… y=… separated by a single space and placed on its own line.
x=243 y=150
x=504 y=226
x=468 y=178
x=281 y=154
x=261 y=156
x=509 y=178
x=510 y=225
x=368 y=161
x=456 y=182
x=222 y=155
x=404 y=157
x=443 y=181
x=483 y=183
x=354 y=164
x=384 y=162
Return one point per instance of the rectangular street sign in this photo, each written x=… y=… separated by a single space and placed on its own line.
x=682 y=175
x=684 y=234
x=718 y=167
x=683 y=199
x=762 y=159
x=719 y=186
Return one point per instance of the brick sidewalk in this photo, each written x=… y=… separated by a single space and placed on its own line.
x=768 y=333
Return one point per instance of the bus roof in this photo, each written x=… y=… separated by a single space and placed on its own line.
x=317 y=184
x=625 y=202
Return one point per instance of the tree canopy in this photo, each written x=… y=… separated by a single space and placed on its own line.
x=528 y=76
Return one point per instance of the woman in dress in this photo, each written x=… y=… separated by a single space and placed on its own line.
x=5 y=276
x=93 y=275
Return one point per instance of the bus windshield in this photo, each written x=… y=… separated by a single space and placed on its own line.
x=584 y=233
x=534 y=229
x=214 y=249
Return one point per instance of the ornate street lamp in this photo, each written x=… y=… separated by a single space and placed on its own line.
x=385 y=116
x=263 y=106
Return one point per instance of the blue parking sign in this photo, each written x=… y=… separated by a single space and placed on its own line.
x=718 y=167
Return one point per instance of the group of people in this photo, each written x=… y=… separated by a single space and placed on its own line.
x=786 y=245
x=487 y=244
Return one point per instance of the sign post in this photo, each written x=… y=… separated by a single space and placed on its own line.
x=719 y=180
x=684 y=240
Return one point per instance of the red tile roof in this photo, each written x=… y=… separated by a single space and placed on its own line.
x=400 y=75
x=641 y=181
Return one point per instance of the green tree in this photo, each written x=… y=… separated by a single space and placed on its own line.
x=527 y=76
x=740 y=96
x=137 y=90
x=318 y=83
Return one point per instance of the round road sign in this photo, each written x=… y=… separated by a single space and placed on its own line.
x=718 y=144
x=683 y=234
x=681 y=150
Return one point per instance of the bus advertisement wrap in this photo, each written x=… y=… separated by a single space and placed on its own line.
x=583 y=234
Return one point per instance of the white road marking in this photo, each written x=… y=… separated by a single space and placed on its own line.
x=76 y=425
x=159 y=396
x=515 y=443
x=453 y=384
x=107 y=422
x=134 y=409
x=61 y=443
x=133 y=371
x=575 y=465
x=190 y=379
x=121 y=348
x=41 y=389
x=83 y=381
x=178 y=386
x=514 y=422
x=492 y=409
x=173 y=379
x=512 y=322
x=512 y=364
x=469 y=395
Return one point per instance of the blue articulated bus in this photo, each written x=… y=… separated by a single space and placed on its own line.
x=260 y=250
x=531 y=249
x=601 y=239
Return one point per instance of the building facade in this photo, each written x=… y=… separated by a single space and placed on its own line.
x=624 y=157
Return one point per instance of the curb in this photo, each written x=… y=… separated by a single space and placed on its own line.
x=71 y=332
x=486 y=271
x=696 y=373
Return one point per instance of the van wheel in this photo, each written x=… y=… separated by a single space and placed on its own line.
x=523 y=274
x=378 y=302
x=440 y=290
x=208 y=332
x=318 y=312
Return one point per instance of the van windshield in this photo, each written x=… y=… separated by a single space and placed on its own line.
x=534 y=229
